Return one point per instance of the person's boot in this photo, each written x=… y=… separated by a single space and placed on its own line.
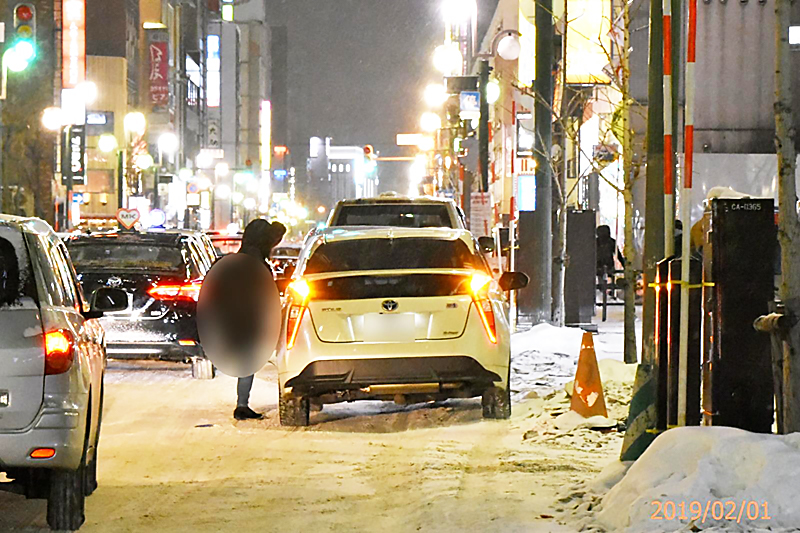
x=245 y=413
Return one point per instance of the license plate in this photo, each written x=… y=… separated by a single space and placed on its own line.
x=389 y=328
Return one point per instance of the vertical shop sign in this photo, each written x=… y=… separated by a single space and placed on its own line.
x=73 y=43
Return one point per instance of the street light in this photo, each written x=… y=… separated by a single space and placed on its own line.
x=435 y=95
x=458 y=11
x=53 y=118
x=222 y=169
x=447 y=59
x=493 y=91
x=143 y=161
x=168 y=143
x=135 y=122
x=107 y=143
x=430 y=122
x=88 y=90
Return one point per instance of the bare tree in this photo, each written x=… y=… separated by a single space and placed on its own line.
x=788 y=225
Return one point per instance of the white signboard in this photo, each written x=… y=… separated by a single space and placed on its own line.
x=480 y=215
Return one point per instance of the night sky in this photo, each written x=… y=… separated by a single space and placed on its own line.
x=357 y=69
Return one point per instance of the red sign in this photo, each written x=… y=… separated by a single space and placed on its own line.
x=73 y=43
x=159 y=71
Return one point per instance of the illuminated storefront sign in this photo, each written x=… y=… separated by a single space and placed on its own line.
x=266 y=134
x=73 y=44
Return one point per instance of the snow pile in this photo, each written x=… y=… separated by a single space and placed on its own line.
x=555 y=425
x=545 y=357
x=754 y=477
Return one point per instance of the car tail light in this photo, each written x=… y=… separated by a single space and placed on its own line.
x=58 y=351
x=299 y=292
x=479 y=288
x=171 y=292
x=43 y=453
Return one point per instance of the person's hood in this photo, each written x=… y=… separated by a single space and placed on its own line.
x=260 y=237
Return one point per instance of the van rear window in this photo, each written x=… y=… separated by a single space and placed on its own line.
x=395 y=214
x=16 y=278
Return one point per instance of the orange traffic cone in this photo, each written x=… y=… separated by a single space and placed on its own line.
x=587 y=396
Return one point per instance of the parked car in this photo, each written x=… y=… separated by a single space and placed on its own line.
x=390 y=209
x=225 y=243
x=52 y=361
x=403 y=314
x=161 y=272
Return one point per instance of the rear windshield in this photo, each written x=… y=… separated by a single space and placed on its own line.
x=403 y=215
x=226 y=246
x=17 y=285
x=286 y=252
x=133 y=256
x=389 y=254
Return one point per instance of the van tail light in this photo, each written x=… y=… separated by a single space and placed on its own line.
x=300 y=293
x=170 y=292
x=58 y=346
x=479 y=288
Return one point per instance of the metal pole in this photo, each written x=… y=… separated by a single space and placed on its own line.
x=543 y=107
x=669 y=165
x=483 y=127
x=66 y=165
x=685 y=204
x=121 y=179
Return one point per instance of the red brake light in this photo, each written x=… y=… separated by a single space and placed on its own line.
x=479 y=287
x=58 y=352
x=300 y=292
x=170 y=292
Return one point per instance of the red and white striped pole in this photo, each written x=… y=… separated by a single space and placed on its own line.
x=685 y=207
x=669 y=166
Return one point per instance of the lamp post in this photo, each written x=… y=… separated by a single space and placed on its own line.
x=506 y=45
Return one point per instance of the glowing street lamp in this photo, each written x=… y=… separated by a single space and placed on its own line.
x=53 y=118
x=430 y=122
x=492 y=91
x=435 y=95
x=222 y=169
x=447 y=59
x=107 y=143
x=135 y=122
x=168 y=143
x=458 y=11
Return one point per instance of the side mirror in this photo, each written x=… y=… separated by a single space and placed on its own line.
x=107 y=300
x=486 y=243
x=512 y=281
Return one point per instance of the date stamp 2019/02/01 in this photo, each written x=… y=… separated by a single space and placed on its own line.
x=697 y=511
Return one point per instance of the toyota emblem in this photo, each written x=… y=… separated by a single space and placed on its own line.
x=114 y=282
x=389 y=305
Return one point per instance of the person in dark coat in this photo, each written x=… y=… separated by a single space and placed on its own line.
x=606 y=251
x=258 y=240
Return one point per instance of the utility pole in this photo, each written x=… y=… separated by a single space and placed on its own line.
x=642 y=413
x=627 y=168
x=483 y=129
x=543 y=216
x=788 y=224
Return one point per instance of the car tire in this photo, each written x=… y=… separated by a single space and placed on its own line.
x=202 y=368
x=90 y=483
x=67 y=497
x=293 y=412
x=496 y=402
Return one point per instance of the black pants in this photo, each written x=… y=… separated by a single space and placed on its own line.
x=243 y=391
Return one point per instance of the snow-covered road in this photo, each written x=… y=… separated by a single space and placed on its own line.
x=173 y=459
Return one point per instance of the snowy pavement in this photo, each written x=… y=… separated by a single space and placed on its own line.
x=173 y=459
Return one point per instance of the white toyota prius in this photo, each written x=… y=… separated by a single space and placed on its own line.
x=403 y=314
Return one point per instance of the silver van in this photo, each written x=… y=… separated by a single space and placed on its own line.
x=52 y=359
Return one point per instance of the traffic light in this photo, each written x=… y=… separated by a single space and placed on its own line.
x=23 y=42
x=370 y=158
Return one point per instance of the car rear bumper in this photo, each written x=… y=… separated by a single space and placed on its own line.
x=321 y=377
x=163 y=351
x=61 y=429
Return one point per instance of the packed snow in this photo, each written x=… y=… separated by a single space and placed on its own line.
x=693 y=479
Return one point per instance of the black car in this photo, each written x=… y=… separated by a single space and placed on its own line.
x=161 y=273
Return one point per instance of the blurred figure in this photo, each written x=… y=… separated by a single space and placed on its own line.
x=258 y=240
x=606 y=252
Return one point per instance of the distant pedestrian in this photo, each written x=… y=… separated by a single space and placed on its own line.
x=606 y=252
x=258 y=240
